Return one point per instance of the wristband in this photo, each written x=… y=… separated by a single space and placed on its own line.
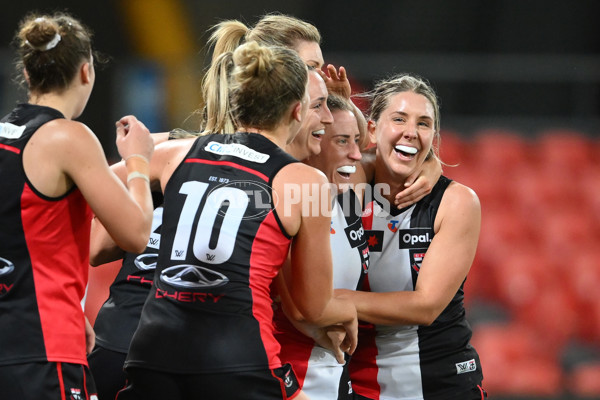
x=137 y=163
x=136 y=174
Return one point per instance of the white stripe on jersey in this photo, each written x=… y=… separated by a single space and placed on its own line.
x=390 y=269
x=322 y=375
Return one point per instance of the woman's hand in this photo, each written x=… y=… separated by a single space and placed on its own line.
x=419 y=184
x=133 y=138
x=333 y=338
x=90 y=337
x=337 y=81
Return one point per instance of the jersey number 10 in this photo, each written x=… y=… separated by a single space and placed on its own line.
x=232 y=200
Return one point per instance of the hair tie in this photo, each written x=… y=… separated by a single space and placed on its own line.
x=48 y=46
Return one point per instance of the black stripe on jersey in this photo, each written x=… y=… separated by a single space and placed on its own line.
x=355 y=232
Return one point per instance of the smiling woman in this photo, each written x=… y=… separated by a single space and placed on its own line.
x=320 y=370
x=308 y=140
x=419 y=259
x=207 y=328
x=340 y=153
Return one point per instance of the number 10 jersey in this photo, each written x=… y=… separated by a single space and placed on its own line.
x=222 y=244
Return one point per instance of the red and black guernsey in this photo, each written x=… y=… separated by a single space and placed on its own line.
x=118 y=317
x=44 y=255
x=221 y=246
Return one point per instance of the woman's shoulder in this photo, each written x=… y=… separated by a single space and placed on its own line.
x=298 y=172
x=68 y=134
x=461 y=196
x=171 y=152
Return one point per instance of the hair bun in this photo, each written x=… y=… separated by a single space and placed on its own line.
x=42 y=34
x=253 y=60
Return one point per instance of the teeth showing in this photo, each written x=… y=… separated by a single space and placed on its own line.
x=406 y=149
x=347 y=169
x=319 y=132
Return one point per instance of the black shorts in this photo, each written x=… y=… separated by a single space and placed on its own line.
x=145 y=384
x=477 y=393
x=47 y=380
x=107 y=369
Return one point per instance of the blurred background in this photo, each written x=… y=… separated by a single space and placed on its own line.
x=519 y=83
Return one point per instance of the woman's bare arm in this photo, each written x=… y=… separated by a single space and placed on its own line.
x=444 y=268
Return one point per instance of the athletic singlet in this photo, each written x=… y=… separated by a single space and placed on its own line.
x=316 y=368
x=411 y=362
x=118 y=317
x=221 y=246
x=44 y=255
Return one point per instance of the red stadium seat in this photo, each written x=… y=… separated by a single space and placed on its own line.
x=589 y=322
x=566 y=149
x=504 y=236
x=520 y=277
x=587 y=183
x=535 y=294
x=514 y=362
x=500 y=150
x=584 y=381
x=454 y=148
x=554 y=315
x=565 y=233
x=497 y=158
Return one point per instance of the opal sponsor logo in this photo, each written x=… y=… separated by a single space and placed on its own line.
x=356 y=234
x=415 y=237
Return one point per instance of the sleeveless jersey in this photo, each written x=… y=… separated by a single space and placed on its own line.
x=221 y=246
x=316 y=368
x=118 y=317
x=411 y=362
x=44 y=255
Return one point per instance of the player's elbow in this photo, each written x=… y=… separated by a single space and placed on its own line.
x=425 y=320
x=429 y=314
x=139 y=246
x=311 y=315
x=135 y=243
